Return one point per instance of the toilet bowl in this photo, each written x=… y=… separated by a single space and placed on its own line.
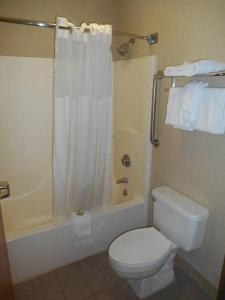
x=139 y=253
x=141 y=256
x=145 y=256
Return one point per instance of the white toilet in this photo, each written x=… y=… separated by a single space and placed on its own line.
x=145 y=256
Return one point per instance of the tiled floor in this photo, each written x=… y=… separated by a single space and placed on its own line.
x=93 y=279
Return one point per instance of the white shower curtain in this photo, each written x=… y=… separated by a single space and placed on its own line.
x=82 y=151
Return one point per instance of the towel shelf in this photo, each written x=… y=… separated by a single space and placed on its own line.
x=158 y=76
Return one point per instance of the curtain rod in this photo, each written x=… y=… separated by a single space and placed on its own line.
x=150 y=38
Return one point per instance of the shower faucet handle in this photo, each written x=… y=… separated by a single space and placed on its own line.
x=4 y=189
x=126 y=160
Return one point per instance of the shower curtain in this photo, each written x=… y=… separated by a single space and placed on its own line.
x=82 y=158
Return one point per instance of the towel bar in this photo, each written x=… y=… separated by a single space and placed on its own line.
x=158 y=76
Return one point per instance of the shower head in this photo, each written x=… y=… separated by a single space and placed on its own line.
x=125 y=47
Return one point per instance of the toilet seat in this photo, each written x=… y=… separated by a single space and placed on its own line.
x=139 y=250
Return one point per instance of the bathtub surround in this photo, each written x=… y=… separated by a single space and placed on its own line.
x=26 y=118
x=30 y=106
x=132 y=106
x=82 y=148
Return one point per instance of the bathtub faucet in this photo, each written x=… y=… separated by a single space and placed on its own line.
x=122 y=180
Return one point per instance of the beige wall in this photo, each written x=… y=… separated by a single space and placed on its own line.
x=192 y=163
x=29 y=41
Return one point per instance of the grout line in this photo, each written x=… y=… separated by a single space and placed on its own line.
x=103 y=291
x=32 y=285
x=107 y=289
x=60 y=285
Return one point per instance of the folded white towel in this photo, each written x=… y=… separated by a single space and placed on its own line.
x=201 y=109
x=81 y=224
x=211 y=114
x=192 y=95
x=175 y=116
x=195 y=68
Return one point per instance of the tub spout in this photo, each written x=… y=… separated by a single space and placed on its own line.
x=122 y=180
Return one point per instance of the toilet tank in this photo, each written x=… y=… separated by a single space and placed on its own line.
x=181 y=219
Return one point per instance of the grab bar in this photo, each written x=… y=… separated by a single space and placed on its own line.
x=153 y=139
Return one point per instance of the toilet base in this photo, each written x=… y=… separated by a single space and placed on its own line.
x=147 y=286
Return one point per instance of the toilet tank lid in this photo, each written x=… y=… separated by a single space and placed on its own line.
x=180 y=203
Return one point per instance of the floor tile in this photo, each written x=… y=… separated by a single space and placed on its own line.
x=74 y=284
x=90 y=265
x=93 y=279
x=182 y=289
x=46 y=287
x=94 y=263
x=104 y=279
x=24 y=291
x=120 y=291
x=70 y=273
x=189 y=289
x=104 y=258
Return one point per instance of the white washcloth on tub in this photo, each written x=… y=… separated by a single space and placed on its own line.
x=211 y=114
x=195 y=68
x=81 y=224
x=175 y=116
x=192 y=95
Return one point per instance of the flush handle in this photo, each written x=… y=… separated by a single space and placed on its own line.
x=4 y=189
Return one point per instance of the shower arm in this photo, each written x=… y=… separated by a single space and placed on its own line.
x=150 y=38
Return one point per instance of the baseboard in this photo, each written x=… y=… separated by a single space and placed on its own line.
x=198 y=278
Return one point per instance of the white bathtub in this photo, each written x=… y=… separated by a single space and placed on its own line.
x=47 y=247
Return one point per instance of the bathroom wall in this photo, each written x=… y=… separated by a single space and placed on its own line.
x=192 y=163
x=36 y=42
x=26 y=84
x=132 y=92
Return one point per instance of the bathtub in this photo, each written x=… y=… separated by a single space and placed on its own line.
x=37 y=250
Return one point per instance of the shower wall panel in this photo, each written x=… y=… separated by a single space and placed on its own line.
x=26 y=86
x=132 y=104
